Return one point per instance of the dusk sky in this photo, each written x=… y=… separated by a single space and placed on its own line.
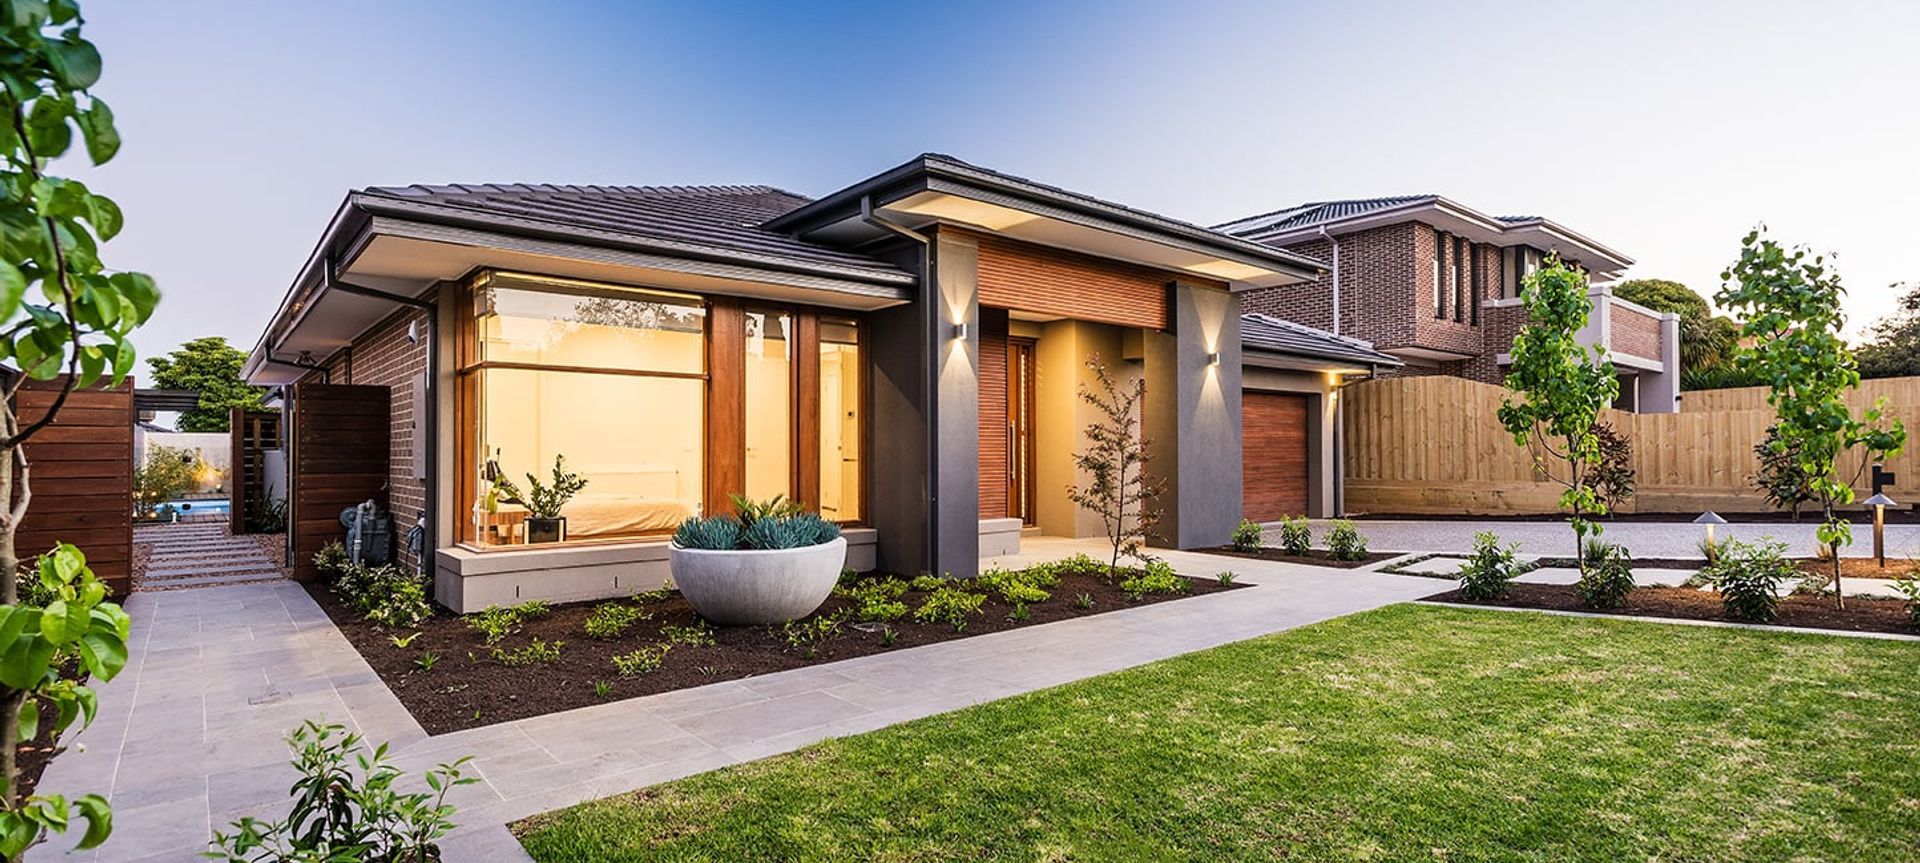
x=1664 y=130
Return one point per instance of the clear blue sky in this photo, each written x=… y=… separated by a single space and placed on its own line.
x=1663 y=129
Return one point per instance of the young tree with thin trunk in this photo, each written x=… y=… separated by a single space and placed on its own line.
x=1117 y=487
x=1789 y=300
x=1562 y=386
x=63 y=317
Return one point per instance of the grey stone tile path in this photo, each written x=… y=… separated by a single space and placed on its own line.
x=189 y=736
x=1644 y=539
x=200 y=555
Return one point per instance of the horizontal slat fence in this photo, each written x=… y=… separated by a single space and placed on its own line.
x=82 y=477
x=1434 y=445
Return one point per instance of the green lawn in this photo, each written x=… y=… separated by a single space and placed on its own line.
x=1408 y=733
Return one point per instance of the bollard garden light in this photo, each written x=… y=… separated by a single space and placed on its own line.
x=1880 y=502
x=1710 y=518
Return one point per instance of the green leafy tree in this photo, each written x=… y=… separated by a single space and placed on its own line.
x=1561 y=388
x=1893 y=345
x=165 y=474
x=1790 y=299
x=210 y=367
x=1707 y=341
x=65 y=317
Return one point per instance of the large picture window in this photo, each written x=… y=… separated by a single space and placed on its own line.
x=629 y=384
x=611 y=379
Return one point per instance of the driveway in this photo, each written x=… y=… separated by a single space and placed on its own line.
x=1643 y=539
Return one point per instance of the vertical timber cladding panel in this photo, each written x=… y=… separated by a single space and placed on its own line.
x=993 y=413
x=81 y=477
x=1031 y=278
x=390 y=358
x=1273 y=428
x=342 y=439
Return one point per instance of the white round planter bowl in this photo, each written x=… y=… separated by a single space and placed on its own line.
x=757 y=586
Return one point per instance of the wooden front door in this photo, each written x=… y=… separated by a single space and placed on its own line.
x=1020 y=409
x=1273 y=455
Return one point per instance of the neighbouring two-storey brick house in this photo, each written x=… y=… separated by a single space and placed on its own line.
x=1436 y=284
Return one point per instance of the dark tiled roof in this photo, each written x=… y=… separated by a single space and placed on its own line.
x=1317 y=212
x=1268 y=333
x=716 y=220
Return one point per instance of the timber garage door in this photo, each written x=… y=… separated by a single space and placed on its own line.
x=1273 y=456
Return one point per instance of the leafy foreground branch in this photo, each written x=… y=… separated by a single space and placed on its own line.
x=64 y=318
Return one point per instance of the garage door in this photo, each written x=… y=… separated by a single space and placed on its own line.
x=1273 y=455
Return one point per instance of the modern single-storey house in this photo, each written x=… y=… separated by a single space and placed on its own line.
x=1437 y=284
x=902 y=354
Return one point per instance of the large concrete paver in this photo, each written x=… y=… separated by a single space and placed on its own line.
x=189 y=737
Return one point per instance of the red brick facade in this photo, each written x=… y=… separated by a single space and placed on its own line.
x=1635 y=332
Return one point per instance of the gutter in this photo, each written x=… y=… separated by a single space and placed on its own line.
x=930 y=320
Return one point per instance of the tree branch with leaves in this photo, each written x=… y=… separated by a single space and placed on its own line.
x=1789 y=300
x=1561 y=388
x=63 y=317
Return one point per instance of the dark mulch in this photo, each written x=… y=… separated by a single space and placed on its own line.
x=467 y=688
x=1816 y=612
x=1314 y=557
x=1859 y=517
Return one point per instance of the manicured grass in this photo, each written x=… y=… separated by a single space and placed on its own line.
x=1408 y=733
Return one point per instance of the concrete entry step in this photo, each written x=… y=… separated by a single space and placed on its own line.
x=203 y=555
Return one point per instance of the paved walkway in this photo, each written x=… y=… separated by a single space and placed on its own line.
x=1644 y=539
x=189 y=736
x=201 y=555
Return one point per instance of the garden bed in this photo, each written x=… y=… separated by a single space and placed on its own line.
x=1858 y=517
x=467 y=687
x=1314 y=557
x=1682 y=603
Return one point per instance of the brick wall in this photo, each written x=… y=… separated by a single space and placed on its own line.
x=384 y=357
x=1377 y=286
x=1635 y=332
x=1499 y=325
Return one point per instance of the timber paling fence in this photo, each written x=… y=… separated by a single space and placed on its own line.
x=1434 y=445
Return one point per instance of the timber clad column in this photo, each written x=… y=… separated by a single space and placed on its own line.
x=1192 y=417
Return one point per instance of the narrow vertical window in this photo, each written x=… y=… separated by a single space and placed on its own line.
x=769 y=373
x=1460 y=247
x=840 y=417
x=1439 y=286
x=1473 y=288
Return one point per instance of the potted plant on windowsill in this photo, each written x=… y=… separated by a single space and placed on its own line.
x=770 y=564
x=543 y=502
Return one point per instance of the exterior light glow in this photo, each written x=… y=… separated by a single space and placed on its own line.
x=960 y=331
x=1710 y=518
x=1213 y=359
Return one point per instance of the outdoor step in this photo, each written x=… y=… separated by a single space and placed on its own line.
x=221 y=580
x=240 y=566
x=202 y=578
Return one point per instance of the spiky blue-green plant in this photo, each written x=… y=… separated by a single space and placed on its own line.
x=711 y=533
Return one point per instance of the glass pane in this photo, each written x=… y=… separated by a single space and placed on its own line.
x=574 y=324
x=642 y=462
x=769 y=372
x=839 y=420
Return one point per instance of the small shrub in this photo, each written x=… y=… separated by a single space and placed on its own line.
x=875 y=599
x=533 y=609
x=347 y=799
x=1611 y=475
x=1711 y=549
x=950 y=605
x=1247 y=536
x=1909 y=586
x=660 y=594
x=426 y=660
x=494 y=624
x=1157 y=577
x=805 y=635
x=1345 y=542
x=1016 y=587
x=1226 y=579
x=879 y=610
x=1748 y=576
x=1296 y=537
x=538 y=652
x=927 y=582
x=641 y=660
x=1083 y=601
x=1489 y=571
x=700 y=634
x=602 y=688
x=611 y=620
x=385 y=594
x=331 y=560
x=1608 y=578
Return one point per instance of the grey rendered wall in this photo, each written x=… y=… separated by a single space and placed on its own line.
x=1193 y=417
x=955 y=508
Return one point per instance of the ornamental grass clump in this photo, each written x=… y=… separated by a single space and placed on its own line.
x=1749 y=576
x=1489 y=572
